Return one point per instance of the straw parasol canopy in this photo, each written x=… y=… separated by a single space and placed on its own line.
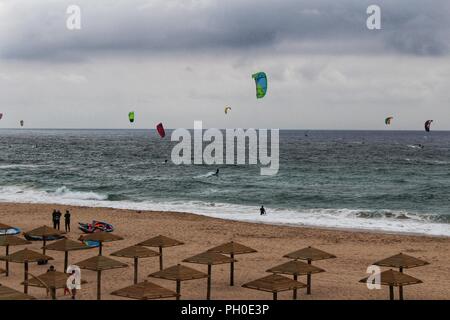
x=25 y=256
x=401 y=261
x=393 y=279
x=309 y=254
x=11 y=294
x=50 y=280
x=295 y=268
x=9 y=241
x=274 y=283
x=232 y=248
x=99 y=264
x=65 y=245
x=100 y=237
x=209 y=258
x=135 y=252
x=179 y=273
x=160 y=242
x=145 y=291
x=46 y=233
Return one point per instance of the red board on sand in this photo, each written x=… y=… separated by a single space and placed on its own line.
x=161 y=130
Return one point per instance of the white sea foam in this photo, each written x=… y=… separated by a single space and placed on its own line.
x=19 y=166
x=388 y=221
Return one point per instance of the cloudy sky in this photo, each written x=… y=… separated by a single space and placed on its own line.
x=176 y=61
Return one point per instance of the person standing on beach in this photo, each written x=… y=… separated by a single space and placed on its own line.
x=262 y=210
x=58 y=220
x=67 y=221
x=54 y=218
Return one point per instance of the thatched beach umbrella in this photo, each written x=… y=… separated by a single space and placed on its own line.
x=309 y=254
x=393 y=279
x=51 y=281
x=46 y=233
x=26 y=256
x=295 y=268
x=274 y=283
x=179 y=273
x=401 y=261
x=160 y=242
x=232 y=248
x=135 y=252
x=100 y=237
x=9 y=241
x=210 y=259
x=11 y=294
x=65 y=245
x=99 y=264
x=145 y=291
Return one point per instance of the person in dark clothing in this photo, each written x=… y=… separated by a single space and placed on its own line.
x=54 y=218
x=217 y=173
x=67 y=221
x=262 y=210
x=58 y=220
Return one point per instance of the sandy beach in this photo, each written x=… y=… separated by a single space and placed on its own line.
x=355 y=250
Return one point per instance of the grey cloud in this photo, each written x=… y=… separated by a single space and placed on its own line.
x=37 y=31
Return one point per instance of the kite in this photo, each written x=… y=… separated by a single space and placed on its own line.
x=387 y=121
x=227 y=109
x=131 y=116
x=261 y=84
x=1 y=116
x=427 y=125
x=161 y=130
x=21 y=123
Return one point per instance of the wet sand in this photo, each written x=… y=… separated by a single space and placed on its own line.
x=355 y=251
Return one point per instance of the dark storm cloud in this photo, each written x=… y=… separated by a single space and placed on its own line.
x=37 y=31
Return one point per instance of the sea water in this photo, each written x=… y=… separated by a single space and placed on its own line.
x=395 y=181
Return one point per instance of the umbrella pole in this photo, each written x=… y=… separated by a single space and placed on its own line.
x=7 y=262
x=308 y=281
x=99 y=285
x=208 y=289
x=135 y=270
x=53 y=293
x=391 y=293
x=178 y=289
x=275 y=296
x=66 y=260
x=160 y=259
x=232 y=271
x=100 y=248
x=25 y=285
x=400 y=288
x=294 y=296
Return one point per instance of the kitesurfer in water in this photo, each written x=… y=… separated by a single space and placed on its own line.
x=217 y=173
x=262 y=210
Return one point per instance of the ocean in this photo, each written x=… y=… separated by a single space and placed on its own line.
x=393 y=181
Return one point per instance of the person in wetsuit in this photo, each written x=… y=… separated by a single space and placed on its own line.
x=262 y=211
x=67 y=221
